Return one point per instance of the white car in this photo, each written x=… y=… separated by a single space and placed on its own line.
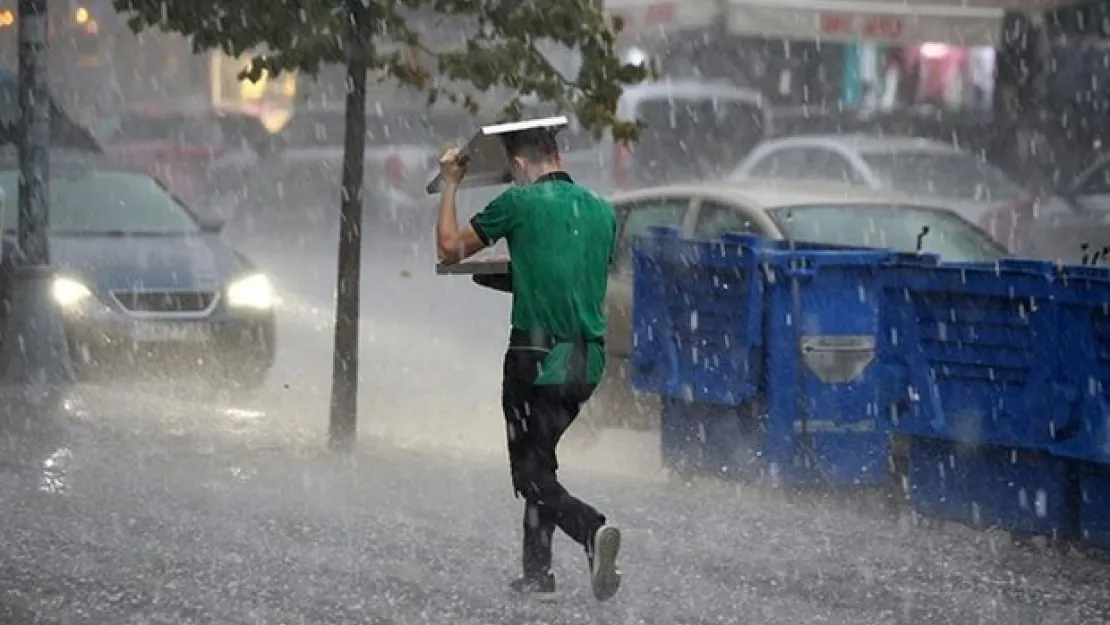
x=959 y=181
x=1090 y=189
x=830 y=213
x=1079 y=234
x=694 y=130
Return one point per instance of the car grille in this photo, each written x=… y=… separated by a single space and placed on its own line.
x=165 y=302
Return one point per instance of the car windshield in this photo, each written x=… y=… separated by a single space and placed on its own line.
x=895 y=227
x=950 y=175
x=88 y=201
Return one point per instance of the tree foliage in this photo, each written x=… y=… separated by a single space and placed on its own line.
x=501 y=49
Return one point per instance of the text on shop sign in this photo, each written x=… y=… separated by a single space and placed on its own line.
x=861 y=25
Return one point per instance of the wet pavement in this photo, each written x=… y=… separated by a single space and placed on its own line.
x=143 y=505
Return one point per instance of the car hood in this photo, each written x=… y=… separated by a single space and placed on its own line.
x=194 y=262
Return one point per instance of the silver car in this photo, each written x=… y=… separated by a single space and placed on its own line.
x=936 y=172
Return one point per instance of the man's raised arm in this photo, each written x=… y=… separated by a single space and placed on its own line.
x=453 y=243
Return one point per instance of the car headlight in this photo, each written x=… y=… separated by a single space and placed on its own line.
x=68 y=292
x=251 y=292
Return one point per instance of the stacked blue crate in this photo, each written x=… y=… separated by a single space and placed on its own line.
x=968 y=337
x=765 y=354
x=825 y=375
x=697 y=326
x=979 y=394
x=989 y=486
x=1081 y=356
x=698 y=343
x=792 y=365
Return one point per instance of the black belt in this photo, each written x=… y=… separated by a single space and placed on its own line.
x=543 y=340
x=538 y=339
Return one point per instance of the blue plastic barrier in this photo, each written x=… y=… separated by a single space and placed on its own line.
x=971 y=341
x=782 y=338
x=1094 y=504
x=986 y=486
x=698 y=318
x=1080 y=353
x=712 y=439
x=825 y=380
x=793 y=364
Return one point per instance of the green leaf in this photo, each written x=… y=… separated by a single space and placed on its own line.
x=501 y=55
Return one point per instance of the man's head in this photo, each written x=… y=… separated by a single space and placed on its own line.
x=533 y=153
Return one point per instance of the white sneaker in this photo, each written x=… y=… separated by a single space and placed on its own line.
x=604 y=576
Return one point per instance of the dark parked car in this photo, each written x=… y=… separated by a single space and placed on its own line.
x=142 y=281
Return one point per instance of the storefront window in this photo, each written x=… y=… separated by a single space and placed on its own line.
x=930 y=74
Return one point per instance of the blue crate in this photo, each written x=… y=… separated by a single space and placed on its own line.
x=786 y=333
x=970 y=340
x=711 y=439
x=1094 y=505
x=653 y=362
x=730 y=442
x=985 y=486
x=826 y=379
x=698 y=318
x=1080 y=357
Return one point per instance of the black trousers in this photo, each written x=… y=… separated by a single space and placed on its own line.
x=535 y=419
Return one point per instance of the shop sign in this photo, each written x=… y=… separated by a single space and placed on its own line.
x=660 y=13
x=864 y=26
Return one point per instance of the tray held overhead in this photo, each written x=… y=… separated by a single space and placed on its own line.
x=488 y=161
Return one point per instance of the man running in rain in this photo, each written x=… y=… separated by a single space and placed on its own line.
x=560 y=238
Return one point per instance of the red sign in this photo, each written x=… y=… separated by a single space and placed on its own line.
x=836 y=24
x=874 y=26
x=884 y=27
x=660 y=13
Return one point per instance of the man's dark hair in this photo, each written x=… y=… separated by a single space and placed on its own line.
x=534 y=146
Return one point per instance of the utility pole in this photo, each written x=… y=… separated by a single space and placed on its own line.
x=35 y=351
x=343 y=421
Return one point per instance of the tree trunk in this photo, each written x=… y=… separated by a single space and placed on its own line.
x=344 y=384
x=34 y=146
x=35 y=356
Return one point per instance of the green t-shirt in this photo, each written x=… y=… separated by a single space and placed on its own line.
x=560 y=238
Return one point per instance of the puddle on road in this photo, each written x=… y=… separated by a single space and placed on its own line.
x=55 y=472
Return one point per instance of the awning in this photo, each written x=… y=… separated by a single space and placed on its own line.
x=884 y=22
x=960 y=22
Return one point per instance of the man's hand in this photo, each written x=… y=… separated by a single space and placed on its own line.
x=452 y=166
